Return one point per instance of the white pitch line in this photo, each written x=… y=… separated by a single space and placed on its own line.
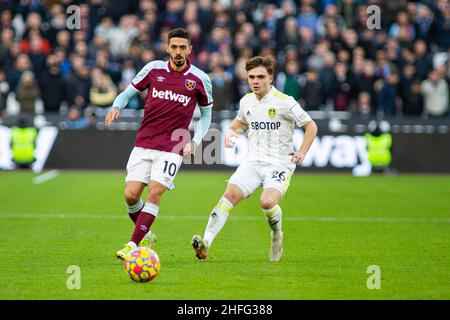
x=46 y=177
x=235 y=217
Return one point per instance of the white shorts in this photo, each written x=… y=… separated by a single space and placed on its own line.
x=250 y=176
x=149 y=164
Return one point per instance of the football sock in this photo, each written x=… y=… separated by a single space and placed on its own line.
x=274 y=218
x=217 y=219
x=132 y=244
x=135 y=209
x=144 y=222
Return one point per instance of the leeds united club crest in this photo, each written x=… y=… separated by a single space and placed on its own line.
x=272 y=112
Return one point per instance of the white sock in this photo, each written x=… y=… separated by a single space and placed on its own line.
x=136 y=207
x=217 y=219
x=274 y=218
x=151 y=208
x=132 y=244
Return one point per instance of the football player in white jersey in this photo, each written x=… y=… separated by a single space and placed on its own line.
x=269 y=116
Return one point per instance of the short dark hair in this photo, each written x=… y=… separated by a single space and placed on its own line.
x=257 y=61
x=179 y=33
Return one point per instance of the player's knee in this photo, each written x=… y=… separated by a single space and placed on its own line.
x=131 y=196
x=228 y=195
x=268 y=203
x=155 y=192
x=231 y=196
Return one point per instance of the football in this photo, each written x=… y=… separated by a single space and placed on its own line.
x=142 y=264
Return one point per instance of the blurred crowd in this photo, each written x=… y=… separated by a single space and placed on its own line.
x=326 y=56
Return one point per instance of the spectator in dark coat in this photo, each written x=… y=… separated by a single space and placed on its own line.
x=343 y=87
x=423 y=59
x=78 y=85
x=440 y=29
x=223 y=90
x=407 y=78
x=53 y=86
x=289 y=36
x=326 y=75
x=413 y=100
x=388 y=95
x=311 y=92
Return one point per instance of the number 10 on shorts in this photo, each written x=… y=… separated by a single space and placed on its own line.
x=170 y=168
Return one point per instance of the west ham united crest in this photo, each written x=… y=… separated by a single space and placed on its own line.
x=190 y=84
x=272 y=112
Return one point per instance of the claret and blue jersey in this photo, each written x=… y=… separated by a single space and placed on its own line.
x=170 y=103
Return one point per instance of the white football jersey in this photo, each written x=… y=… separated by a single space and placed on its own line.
x=271 y=122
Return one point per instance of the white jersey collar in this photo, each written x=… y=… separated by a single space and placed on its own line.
x=268 y=95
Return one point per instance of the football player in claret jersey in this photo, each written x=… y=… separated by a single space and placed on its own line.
x=175 y=88
x=269 y=116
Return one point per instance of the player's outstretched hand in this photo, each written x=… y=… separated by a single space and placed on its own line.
x=297 y=157
x=112 y=115
x=230 y=137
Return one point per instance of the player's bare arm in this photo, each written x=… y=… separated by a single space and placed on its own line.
x=310 y=133
x=235 y=128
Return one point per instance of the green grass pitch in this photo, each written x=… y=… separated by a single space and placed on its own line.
x=335 y=227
